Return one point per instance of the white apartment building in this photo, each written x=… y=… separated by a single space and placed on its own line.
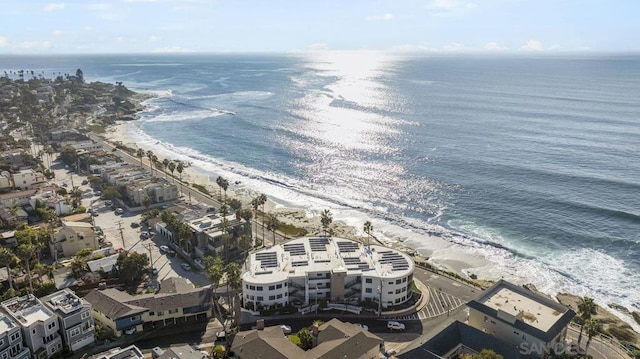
x=74 y=314
x=26 y=179
x=306 y=270
x=11 y=340
x=39 y=325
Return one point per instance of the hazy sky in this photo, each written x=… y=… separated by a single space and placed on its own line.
x=125 y=26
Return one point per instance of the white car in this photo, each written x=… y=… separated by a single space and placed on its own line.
x=363 y=326
x=286 y=329
x=164 y=249
x=185 y=266
x=119 y=210
x=130 y=331
x=393 y=325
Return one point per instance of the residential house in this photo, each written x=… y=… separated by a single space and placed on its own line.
x=67 y=240
x=8 y=239
x=210 y=236
x=27 y=179
x=179 y=352
x=11 y=345
x=14 y=158
x=16 y=198
x=156 y=190
x=6 y=180
x=177 y=301
x=334 y=339
x=74 y=314
x=520 y=317
x=39 y=325
x=51 y=200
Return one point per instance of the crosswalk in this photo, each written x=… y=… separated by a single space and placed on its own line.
x=439 y=303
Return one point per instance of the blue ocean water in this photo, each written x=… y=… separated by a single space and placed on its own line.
x=522 y=168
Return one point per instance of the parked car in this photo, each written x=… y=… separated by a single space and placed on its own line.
x=130 y=331
x=171 y=252
x=164 y=249
x=108 y=203
x=286 y=329
x=135 y=225
x=363 y=326
x=154 y=271
x=185 y=266
x=85 y=182
x=393 y=325
x=119 y=210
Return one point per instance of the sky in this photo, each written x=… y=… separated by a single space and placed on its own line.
x=286 y=26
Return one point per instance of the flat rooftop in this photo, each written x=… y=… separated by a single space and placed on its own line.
x=527 y=308
x=27 y=310
x=6 y=324
x=64 y=301
x=300 y=256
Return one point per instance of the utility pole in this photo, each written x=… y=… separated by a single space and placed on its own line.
x=121 y=235
x=148 y=246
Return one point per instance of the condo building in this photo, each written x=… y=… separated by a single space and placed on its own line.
x=306 y=270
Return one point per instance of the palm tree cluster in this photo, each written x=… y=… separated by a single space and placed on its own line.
x=587 y=308
x=256 y=202
x=164 y=165
x=181 y=231
x=31 y=242
x=216 y=270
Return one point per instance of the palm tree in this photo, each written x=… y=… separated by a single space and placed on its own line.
x=154 y=159
x=146 y=202
x=172 y=167
x=215 y=269
x=586 y=308
x=255 y=204
x=180 y=168
x=368 y=227
x=140 y=154
x=225 y=227
x=165 y=163
x=263 y=201
x=219 y=183
x=76 y=196
x=273 y=225
x=150 y=157
x=234 y=280
x=326 y=219
x=224 y=184
x=26 y=252
x=7 y=258
x=593 y=327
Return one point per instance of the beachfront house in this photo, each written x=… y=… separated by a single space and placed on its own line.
x=11 y=345
x=521 y=318
x=67 y=240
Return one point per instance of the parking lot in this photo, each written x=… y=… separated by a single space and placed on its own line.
x=125 y=231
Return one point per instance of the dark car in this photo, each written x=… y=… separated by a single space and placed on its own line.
x=135 y=225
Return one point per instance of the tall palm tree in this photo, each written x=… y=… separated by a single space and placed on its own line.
x=165 y=163
x=219 y=183
x=26 y=252
x=180 y=168
x=273 y=225
x=7 y=258
x=76 y=196
x=172 y=167
x=368 y=227
x=592 y=327
x=326 y=218
x=140 y=154
x=255 y=204
x=263 y=201
x=234 y=280
x=586 y=308
x=225 y=227
x=150 y=157
x=214 y=268
x=224 y=184
x=155 y=162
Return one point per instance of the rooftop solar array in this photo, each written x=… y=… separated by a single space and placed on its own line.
x=347 y=247
x=318 y=244
x=397 y=261
x=295 y=249
x=355 y=262
x=267 y=259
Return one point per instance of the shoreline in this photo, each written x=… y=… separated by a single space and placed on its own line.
x=437 y=250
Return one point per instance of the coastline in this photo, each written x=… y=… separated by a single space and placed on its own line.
x=437 y=250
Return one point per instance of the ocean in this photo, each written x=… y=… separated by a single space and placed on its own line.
x=520 y=168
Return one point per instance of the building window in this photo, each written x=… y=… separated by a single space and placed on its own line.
x=279 y=286
x=5 y=355
x=368 y=280
x=252 y=287
x=135 y=317
x=368 y=290
x=397 y=291
x=160 y=313
x=390 y=292
x=260 y=298
x=286 y=294
x=404 y=280
x=246 y=286
x=285 y=285
x=1 y=342
x=272 y=287
x=259 y=288
x=73 y=332
x=399 y=281
x=390 y=283
x=516 y=333
x=33 y=331
x=486 y=319
x=272 y=297
x=51 y=325
x=85 y=315
x=15 y=336
x=279 y=296
x=398 y=300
